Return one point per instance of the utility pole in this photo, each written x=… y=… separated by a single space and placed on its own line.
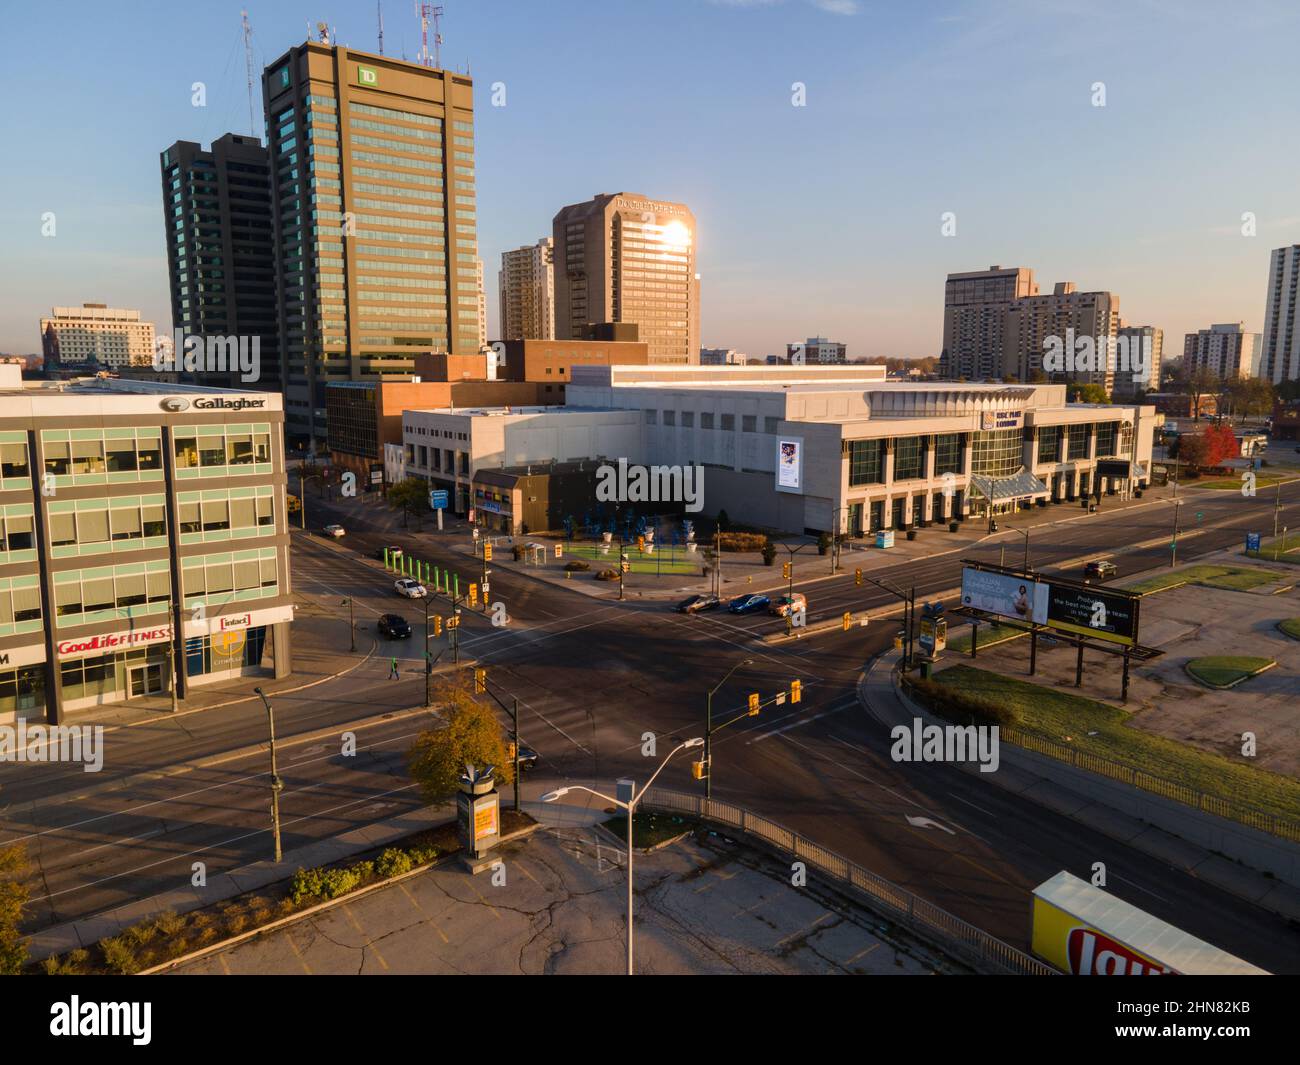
x=514 y=717
x=352 y=625
x=1173 y=545
x=428 y=661
x=277 y=785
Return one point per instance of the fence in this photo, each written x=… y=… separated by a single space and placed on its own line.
x=983 y=951
x=1228 y=809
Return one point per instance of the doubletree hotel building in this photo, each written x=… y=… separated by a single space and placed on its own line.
x=143 y=541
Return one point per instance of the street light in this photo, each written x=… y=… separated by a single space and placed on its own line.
x=708 y=728
x=1025 y=534
x=630 y=808
x=277 y=785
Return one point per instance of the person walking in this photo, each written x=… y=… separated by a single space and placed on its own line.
x=392 y=670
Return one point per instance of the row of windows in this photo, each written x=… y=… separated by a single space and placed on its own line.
x=101 y=452
x=218 y=579
x=89 y=523
x=88 y=595
x=212 y=447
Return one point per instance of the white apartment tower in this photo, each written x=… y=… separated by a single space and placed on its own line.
x=1226 y=350
x=112 y=336
x=1280 y=356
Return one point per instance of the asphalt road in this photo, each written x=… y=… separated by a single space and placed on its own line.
x=593 y=677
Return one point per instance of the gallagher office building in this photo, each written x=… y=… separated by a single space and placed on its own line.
x=143 y=541
x=807 y=448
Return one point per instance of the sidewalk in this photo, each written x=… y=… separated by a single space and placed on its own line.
x=745 y=572
x=1095 y=801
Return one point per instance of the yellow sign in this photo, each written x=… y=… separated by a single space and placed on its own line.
x=229 y=643
x=473 y=595
x=485 y=820
x=1077 y=948
x=487 y=552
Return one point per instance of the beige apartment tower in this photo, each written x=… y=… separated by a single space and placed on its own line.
x=526 y=282
x=623 y=258
x=974 y=319
x=372 y=169
x=95 y=332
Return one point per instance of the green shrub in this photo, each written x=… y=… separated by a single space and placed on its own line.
x=769 y=553
x=119 y=957
x=742 y=542
x=577 y=566
x=423 y=854
x=607 y=575
x=306 y=884
x=958 y=707
x=393 y=862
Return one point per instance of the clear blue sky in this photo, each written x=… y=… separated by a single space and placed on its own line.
x=823 y=219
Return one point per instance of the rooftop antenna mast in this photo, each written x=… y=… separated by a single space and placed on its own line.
x=424 y=11
x=248 y=62
x=379 y=4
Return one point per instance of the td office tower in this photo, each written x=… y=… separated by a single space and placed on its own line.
x=372 y=162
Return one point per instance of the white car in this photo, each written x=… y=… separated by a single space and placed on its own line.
x=410 y=589
x=334 y=530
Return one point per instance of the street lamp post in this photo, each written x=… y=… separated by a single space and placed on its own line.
x=1025 y=534
x=708 y=727
x=629 y=809
x=352 y=625
x=277 y=785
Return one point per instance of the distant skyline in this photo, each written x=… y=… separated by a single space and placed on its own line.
x=820 y=220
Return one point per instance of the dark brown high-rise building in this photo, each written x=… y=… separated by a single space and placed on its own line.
x=220 y=253
x=621 y=257
x=375 y=222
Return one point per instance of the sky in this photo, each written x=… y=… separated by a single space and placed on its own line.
x=823 y=219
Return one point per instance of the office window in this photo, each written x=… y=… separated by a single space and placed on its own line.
x=688 y=419
x=1076 y=446
x=996 y=453
x=1049 y=443
x=1107 y=437
x=706 y=419
x=651 y=417
x=728 y=423
x=770 y=424
x=866 y=464
x=749 y=423
x=909 y=458
x=947 y=453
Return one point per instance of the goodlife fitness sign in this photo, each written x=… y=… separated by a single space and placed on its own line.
x=104 y=643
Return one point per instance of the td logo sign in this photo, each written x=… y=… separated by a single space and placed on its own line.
x=367 y=76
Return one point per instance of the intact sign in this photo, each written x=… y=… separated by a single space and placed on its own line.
x=1111 y=616
x=789 y=464
x=998 y=593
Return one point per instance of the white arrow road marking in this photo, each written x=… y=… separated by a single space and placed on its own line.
x=925 y=822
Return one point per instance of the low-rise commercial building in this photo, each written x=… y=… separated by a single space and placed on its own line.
x=818 y=448
x=143 y=541
x=447 y=448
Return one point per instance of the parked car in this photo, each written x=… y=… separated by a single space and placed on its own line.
x=410 y=589
x=747 y=604
x=1100 y=570
x=784 y=604
x=334 y=530
x=393 y=552
x=697 y=603
x=394 y=626
x=527 y=758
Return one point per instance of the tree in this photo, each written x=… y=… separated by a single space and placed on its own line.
x=13 y=897
x=1201 y=382
x=471 y=734
x=1088 y=393
x=410 y=496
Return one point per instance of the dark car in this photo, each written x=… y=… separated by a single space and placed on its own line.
x=696 y=603
x=747 y=604
x=1099 y=570
x=394 y=626
x=527 y=758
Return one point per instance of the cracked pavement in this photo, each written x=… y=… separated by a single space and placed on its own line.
x=703 y=905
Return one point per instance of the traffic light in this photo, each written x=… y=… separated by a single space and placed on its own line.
x=753 y=704
x=487 y=552
x=480 y=681
x=437 y=626
x=796 y=691
x=857 y=577
x=848 y=620
x=640 y=543
x=697 y=770
x=785 y=570
x=627 y=566
x=473 y=595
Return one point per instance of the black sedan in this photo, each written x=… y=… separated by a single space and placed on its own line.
x=527 y=758
x=697 y=603
x=1099 y=570
x=394 y=626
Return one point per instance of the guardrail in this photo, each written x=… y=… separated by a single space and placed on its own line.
x=1228 y=809
x=971 y=944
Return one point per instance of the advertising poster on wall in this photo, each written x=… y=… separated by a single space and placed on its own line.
x=789 y=464
x=999 y=593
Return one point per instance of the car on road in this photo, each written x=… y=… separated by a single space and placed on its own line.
x=410 y=589
x=747 y=604
x=394 y=626
x=392 y=552
x=527 y=758
x=696 y=603
x=1099 y=569
x=334 y=530
x=785 y=604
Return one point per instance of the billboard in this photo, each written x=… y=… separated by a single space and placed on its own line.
x=1105 y=615
x=789 y=464
x=1000 y=593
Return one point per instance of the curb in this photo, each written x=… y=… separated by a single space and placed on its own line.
x=328 y=904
